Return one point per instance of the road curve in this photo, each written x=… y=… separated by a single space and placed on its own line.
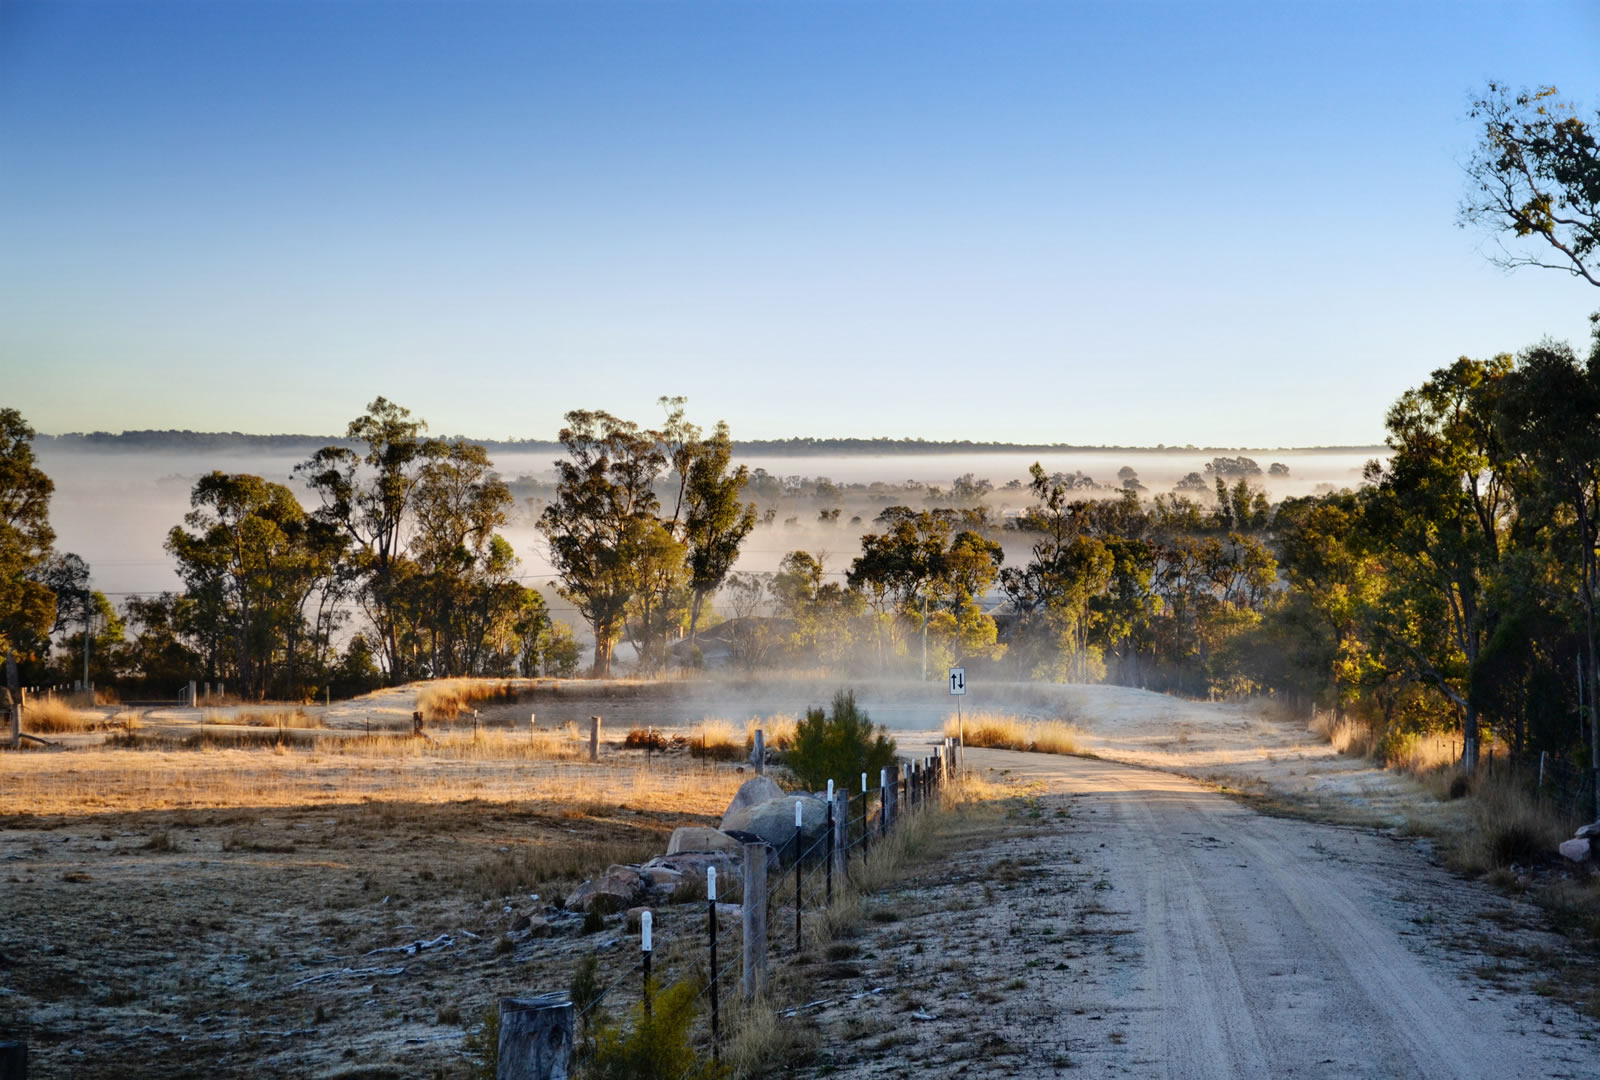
x=1263 y=947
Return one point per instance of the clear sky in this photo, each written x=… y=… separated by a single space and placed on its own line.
x=1226 y=224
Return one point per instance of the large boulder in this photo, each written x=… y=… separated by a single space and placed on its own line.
x=700 y=838
x=773 y=821
x=616 y=890
x=752 y=792
x=1588 y=832
x=1576 y=849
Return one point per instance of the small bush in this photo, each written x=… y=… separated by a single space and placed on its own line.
x=838 y=746
x=657 y=1047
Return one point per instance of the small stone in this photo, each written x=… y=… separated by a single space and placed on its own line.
x=521 y=922
x=1577 y=850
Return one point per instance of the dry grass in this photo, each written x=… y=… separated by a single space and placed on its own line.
x=1346 y=735
x=444 y=700
x=1421 y=756
x=273 y=718
x=50 y=715
x=326 y=771
x=776 y=731
x=1001 y=731
x=718 y=740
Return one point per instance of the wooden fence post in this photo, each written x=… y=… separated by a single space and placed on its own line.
x=594 y=738
x=758 y=754
x=535 y=1038
x=753 y=917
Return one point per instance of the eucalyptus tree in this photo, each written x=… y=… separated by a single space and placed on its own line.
x=27 y=606
x=716 y=520
x=369 y=495
x=1443 y=505
x=1535 y=174
x=604 y=503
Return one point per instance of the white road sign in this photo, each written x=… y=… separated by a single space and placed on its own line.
x=958 y=681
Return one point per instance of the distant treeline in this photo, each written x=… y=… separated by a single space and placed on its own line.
x=796 y=447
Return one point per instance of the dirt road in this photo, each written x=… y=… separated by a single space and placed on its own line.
x=1136 y=923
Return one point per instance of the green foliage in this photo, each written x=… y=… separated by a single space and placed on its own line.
x=838 y=746
x=481 y=1044
x=27 y=606
x=656 y=1044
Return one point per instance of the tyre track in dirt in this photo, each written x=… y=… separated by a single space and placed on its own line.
x=1239 y=945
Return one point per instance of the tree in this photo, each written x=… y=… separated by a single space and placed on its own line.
x=27 y=606
x=369 y=497
x=717 y=521
x=603 y=497
x=1443 y=505
x=1535 y=173
x=246 y=559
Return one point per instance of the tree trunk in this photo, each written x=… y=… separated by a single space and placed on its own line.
x=694 y=615
x=14 y=685
x=602 y=658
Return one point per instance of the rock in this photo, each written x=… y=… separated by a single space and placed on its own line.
x=1577 y=850
x=773 y=821
x=700 y=838
x=1588 y=831
x=617 y=889
x=521 y=922
x=690 y=868
x=752 y=792
x=662 y=877
x=538 y=927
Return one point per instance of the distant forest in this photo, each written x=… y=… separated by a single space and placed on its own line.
x=795 y=447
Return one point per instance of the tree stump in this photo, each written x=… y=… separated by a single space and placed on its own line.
x=13 y=1061
x=535 y=1038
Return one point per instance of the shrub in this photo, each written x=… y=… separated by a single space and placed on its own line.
x=839 y=746
x=657 y=1046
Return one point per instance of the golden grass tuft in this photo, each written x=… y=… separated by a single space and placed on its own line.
x=1345 y=734
x=443 y=700
x=51 y=715
x=271 y=718
x=777 y=731
x=1002 y=731
x=1422 y=756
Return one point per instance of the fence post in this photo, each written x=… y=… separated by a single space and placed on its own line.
x=866 y=814
x=884 y=794
x=535 y=1038
x=711 y=926
x=758 y=754
x=1544 y=755
x=646 y=919
x=841 y=840
x=192 y=701
x=594 y=738
x=753 y=917
x=799 y=861
x=832 y=833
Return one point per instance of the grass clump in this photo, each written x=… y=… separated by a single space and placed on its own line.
x=50 y=715
x=718 y=740
x=998 y=731
x=1345 y=734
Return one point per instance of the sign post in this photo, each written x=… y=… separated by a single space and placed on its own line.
x=958 y=690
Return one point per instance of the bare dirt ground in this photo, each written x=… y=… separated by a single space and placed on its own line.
x=215 y=912
x=1131 y=923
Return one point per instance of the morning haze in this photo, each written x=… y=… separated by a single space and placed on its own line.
x=835 y=540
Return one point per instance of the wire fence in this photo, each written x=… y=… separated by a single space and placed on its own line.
x=812 y=873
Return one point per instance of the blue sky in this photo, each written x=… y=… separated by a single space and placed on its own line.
x=1131 y=223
